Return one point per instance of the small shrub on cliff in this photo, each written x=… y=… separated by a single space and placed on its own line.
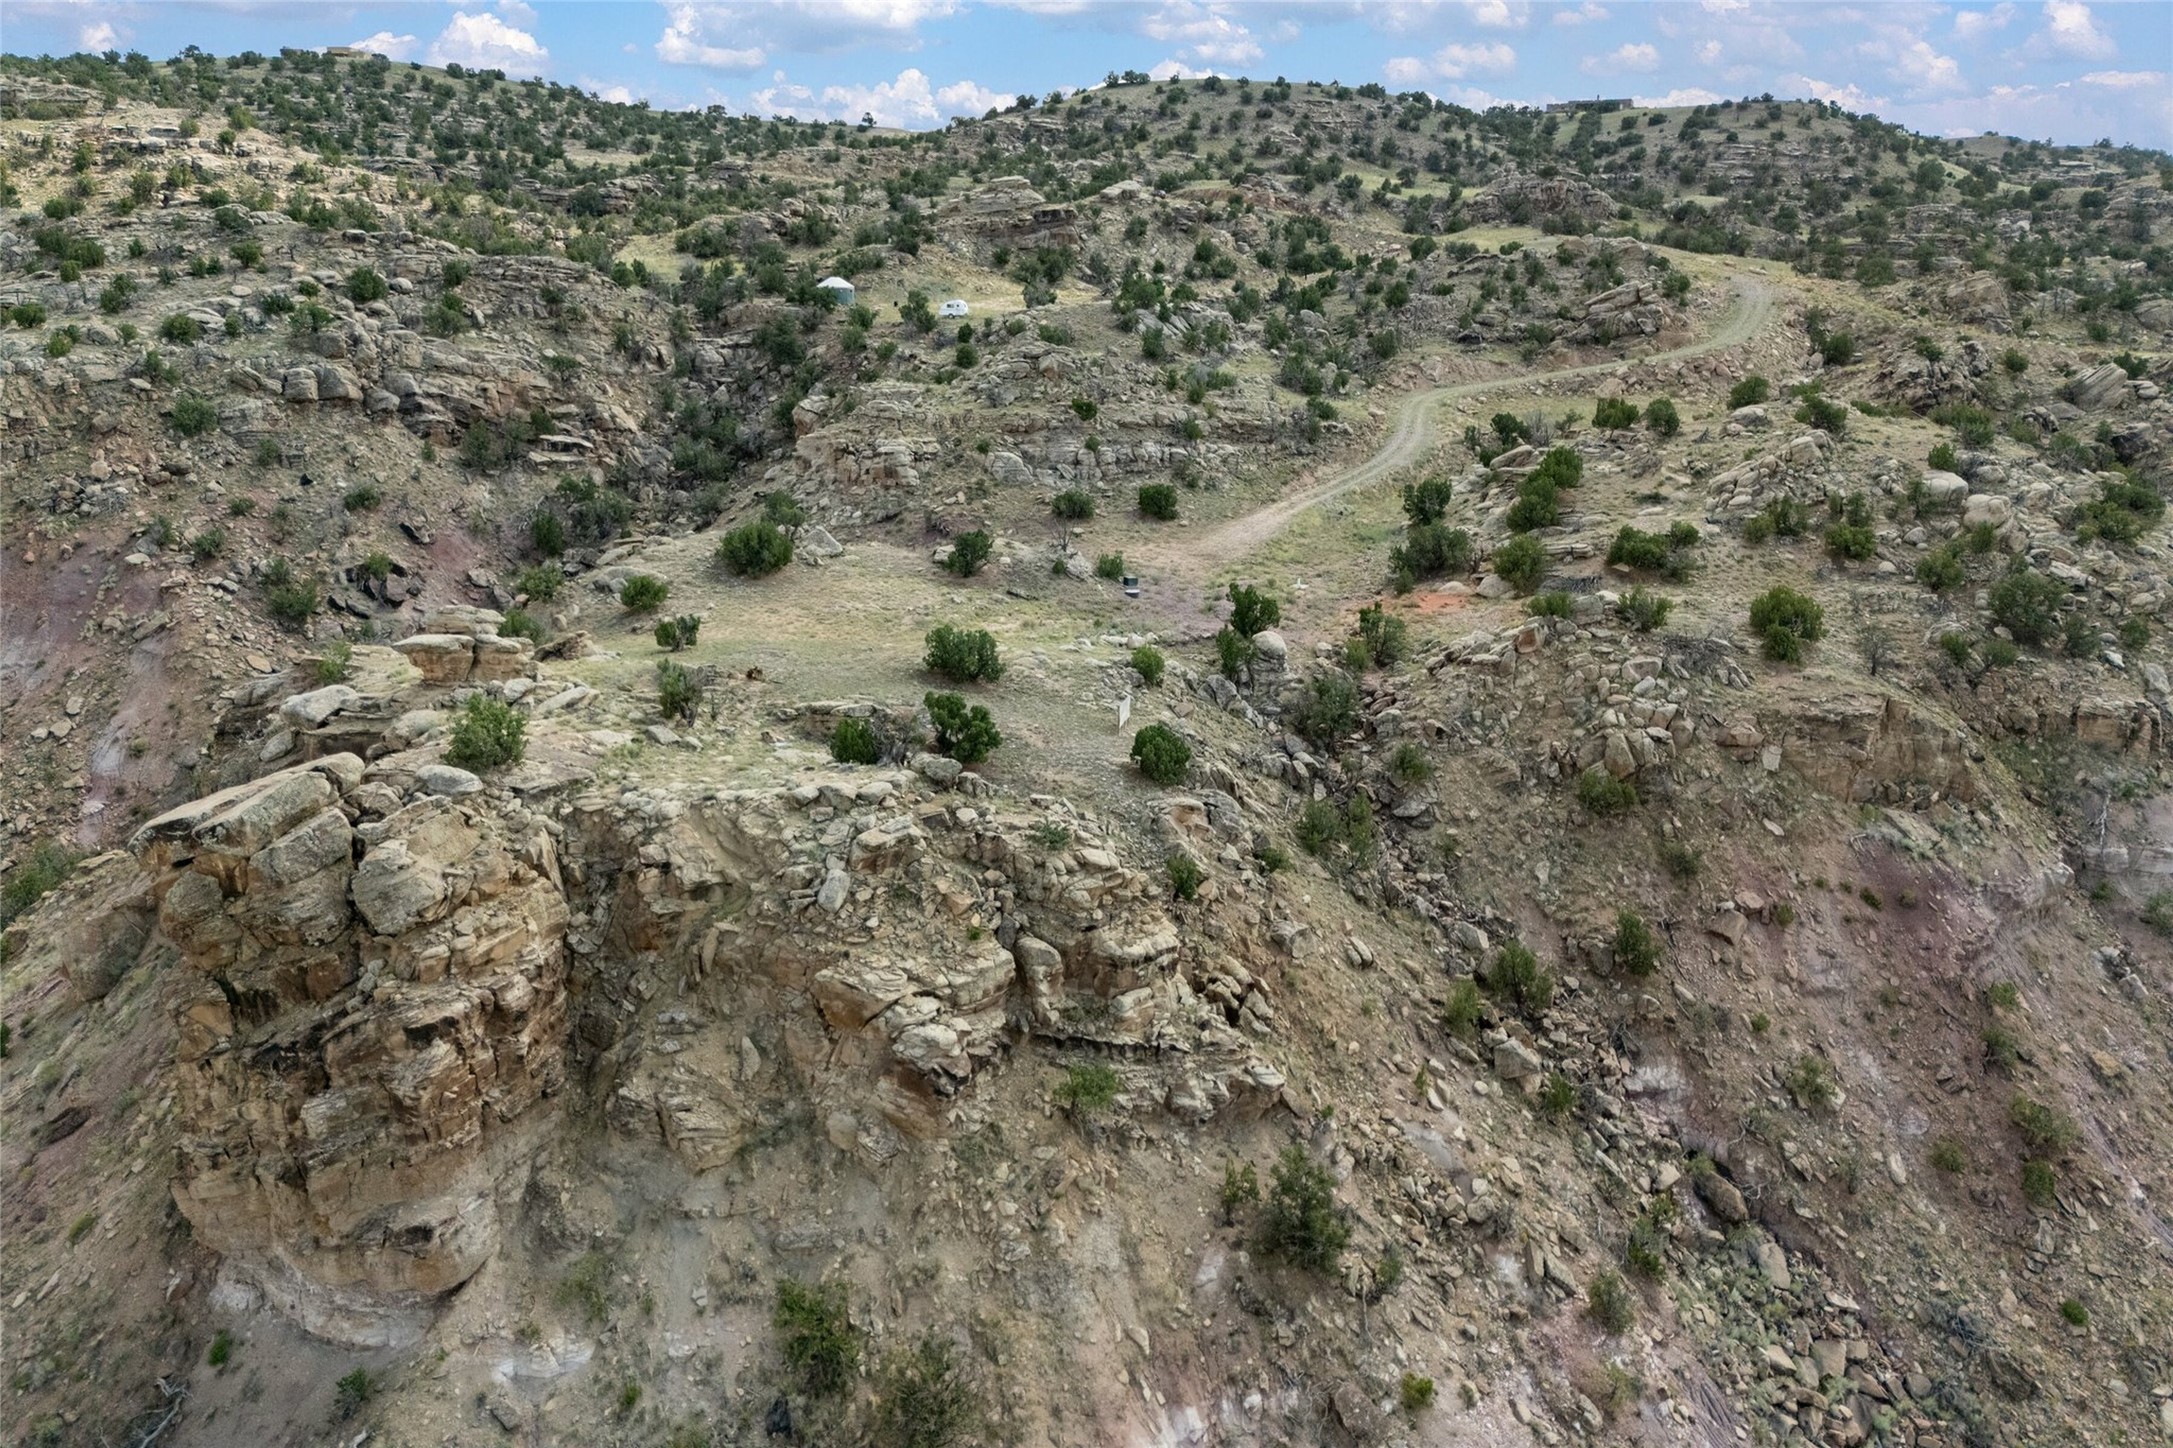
x=677 y=695
x=1162 y=754
x=36 y=877
x=816 y=1336
x=966 y=734
x=926 y=1399
x=854 y=742
x=1301 y=1224
x=488 y=735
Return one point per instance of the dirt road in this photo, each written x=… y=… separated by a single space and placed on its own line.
x=1412 y=436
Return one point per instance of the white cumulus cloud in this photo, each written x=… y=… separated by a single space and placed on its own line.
x=1500 y=14
x=909 y=102
x=1208 y=33
x=683 y=43
x=743 y=34
x=2069 y=26
x=1177 y=70
x=517 y=12
x=1970 y=24
x=1915 y=63
x=486 y=42
x=385 y=43
x=2125 y=79
x=1586 y=14
x=1629 y=56
x=1457 y=60
x=97 y=37
x=1681 y=96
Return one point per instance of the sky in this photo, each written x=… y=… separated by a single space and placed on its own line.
x=2070 y=71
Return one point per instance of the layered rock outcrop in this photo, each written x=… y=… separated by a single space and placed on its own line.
x=369 y=1016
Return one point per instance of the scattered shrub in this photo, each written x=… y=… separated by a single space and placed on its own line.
x=2040 y=1183
x=2026 y=603
x=1301 y=1223
x=816 y=1337
x=333 y=665
x=1851 y=542
x=1662 y=418
x=1941 y=569
x=1110 y=566
x=677 y=697
x=755 y=549
x=2074 y=1314
x=1088 y=1089
x=926 y=1399
x=962 y=655
x=853 y=741
x=520 y=624
x=1515 y=976
x=968 y=552
x=1431 y=550
x=1185 y=876
x=1253 y=610
x=1148 y=663
x=1520 y=562
x=1749 y=392
x=1326 y=711
x=1384 y=634
x=365 y=285
x=1158 y=501
x=1416 y=1393
x=193 y=416
x=1637 y=948
x=1603 y=795
x=1785 y=621
x=1233 y=651
x=1642 y=552
x=643 y=593
x=1811 y=1082
x=1818 y=412
x=352 y=1391
x=489 y=734
x=1614 y=413
x=1609 y=1303
x=1162 y=754
x=1645 y=610
x=539 y=583
x=2046 y=1131
x=966 y=733
x=1425 y=502
x=1949 y=1156
x=291 y=601
x=1073 y=504
x=37 y=875
x=679 y=633
x=1460 y=1012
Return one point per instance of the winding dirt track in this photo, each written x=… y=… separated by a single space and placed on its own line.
x=1412 y=436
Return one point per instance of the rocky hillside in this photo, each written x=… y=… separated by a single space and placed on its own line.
x=1202 y=763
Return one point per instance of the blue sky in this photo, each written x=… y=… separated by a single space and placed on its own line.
x=2065 y=70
